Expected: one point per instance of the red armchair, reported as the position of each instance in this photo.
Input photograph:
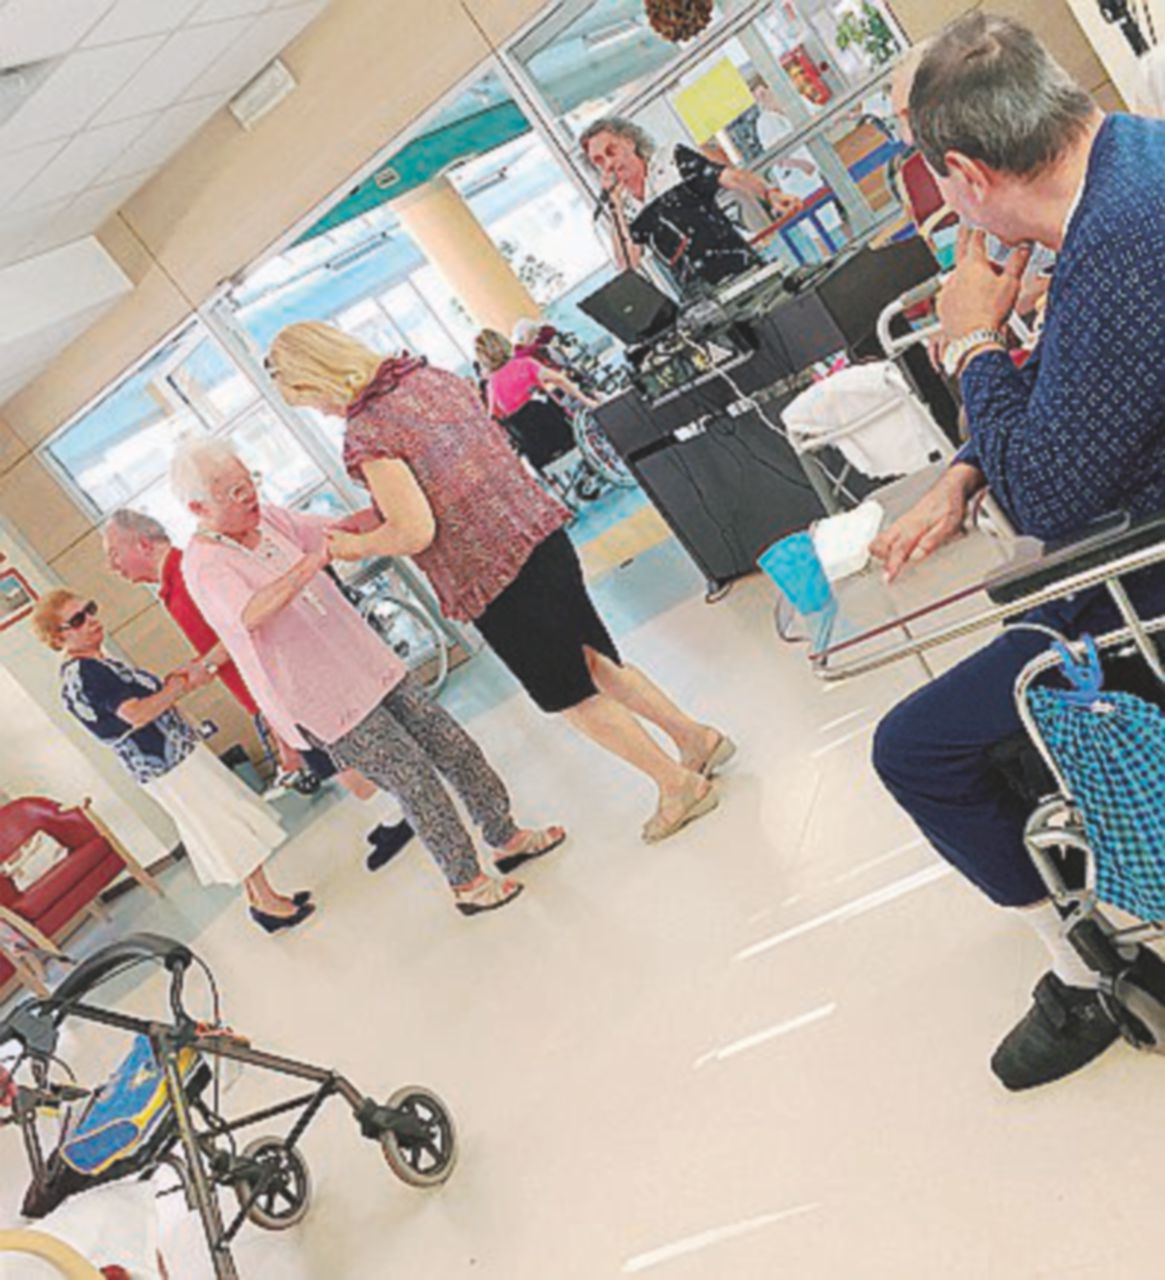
(51, 908)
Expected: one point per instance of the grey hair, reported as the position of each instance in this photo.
(987, 87)
(621, 127)
(197, 460)
(138, 525)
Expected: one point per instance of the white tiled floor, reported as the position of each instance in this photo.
(757, 1050)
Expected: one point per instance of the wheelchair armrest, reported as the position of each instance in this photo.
(1105, 541)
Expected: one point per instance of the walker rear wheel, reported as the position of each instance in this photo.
(283, 1175)
(422, 1152)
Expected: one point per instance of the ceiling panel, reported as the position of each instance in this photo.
(268, 36)
(164, 134)
(82, 83)
(216, 10)
(80, 164)
(80, 217)
(163, 80)
(34, 29)
(20, 167)
(131, 18)
(17, 230)
(124, 84)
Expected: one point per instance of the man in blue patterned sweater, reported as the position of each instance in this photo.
(1021, 151)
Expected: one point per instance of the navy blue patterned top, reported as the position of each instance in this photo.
(93, 689)
(1080, 430)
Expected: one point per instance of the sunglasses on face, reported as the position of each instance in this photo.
(75, 621)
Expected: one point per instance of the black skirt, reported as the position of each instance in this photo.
(540, 431)
(541, 623)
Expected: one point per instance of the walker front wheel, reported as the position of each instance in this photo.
(421, 1149)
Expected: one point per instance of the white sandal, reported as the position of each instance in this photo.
(485, 894)
(695, 805)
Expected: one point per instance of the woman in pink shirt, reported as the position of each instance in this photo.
(451, 493)
(324, 679)
(519, 395)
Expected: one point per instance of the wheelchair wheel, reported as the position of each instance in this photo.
(1140, 995)
(305, 782)
(600, 453)
(285, 1180)
(589, 486)
(411, 634)
(425, 1158)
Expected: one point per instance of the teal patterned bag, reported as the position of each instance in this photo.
(1110, 748)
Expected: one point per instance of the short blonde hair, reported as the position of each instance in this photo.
(310, 360)
(492, 349)
(47, 615)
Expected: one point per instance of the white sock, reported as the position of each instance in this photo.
(1066, 962)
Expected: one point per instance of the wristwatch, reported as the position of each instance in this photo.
(958, 349)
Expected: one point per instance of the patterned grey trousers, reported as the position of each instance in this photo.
(404, 746)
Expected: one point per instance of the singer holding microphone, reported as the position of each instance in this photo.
(664, 199)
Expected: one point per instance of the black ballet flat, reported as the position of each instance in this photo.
(387, 841)
(274, 924)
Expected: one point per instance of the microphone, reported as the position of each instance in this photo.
(605, 202)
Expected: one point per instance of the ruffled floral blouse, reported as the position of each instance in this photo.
(490, 512)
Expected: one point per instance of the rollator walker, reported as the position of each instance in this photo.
(162, 1107)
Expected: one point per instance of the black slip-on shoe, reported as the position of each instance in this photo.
(1065, 1028)
(387, 841)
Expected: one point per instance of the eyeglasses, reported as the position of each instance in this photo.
(75, 621)
(244, 490)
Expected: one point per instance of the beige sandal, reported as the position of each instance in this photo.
(485, 894)
(722, 751)
(695, 805)
(534, 844)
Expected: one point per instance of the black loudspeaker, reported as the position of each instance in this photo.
(728, 489)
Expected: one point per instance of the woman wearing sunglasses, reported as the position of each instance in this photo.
(226, 830)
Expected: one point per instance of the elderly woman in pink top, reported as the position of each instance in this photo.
(323, 678)
(451, 493)
(519, 395)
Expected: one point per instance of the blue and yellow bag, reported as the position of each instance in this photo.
(126, 1112)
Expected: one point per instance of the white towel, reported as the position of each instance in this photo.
(881, 428)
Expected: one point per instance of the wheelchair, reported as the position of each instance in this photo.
(162, 1107)
(1131, 976)
(567, 451)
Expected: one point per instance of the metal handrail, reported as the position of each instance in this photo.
(1098, 575)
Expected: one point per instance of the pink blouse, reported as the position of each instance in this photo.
(511, 385)
(316, 663)
(490, 513)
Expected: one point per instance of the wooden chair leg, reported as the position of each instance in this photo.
(98, 910)
(31, 972)
(28, 930)
(132, 865)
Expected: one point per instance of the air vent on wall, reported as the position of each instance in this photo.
(262, 94)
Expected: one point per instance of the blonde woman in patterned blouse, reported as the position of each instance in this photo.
(452, 494)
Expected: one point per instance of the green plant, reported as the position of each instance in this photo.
(868, 31)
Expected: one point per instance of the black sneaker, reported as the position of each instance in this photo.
(387, 841)
(1065, 1028)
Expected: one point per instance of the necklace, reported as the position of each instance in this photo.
(267, 552)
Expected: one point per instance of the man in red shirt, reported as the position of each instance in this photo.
(139, 549)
